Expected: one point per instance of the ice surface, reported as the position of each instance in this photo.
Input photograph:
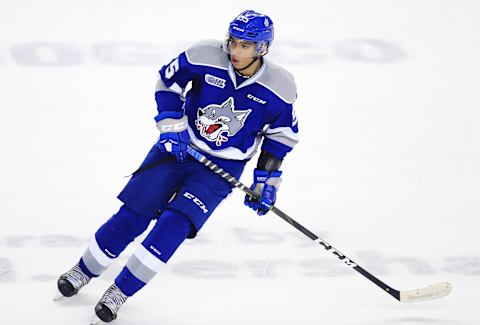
(386, 170)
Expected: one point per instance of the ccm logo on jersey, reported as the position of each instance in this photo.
(195, 200)
(215, 81)
(255, 99)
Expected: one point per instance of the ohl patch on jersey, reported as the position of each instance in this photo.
(214, 121)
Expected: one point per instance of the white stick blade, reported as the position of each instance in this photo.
(434, 291)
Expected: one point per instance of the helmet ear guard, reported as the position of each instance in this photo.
(262, 48)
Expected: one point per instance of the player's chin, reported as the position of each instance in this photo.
(236, 63)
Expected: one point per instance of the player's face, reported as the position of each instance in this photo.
(241, 52)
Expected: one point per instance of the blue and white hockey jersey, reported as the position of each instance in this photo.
(227, 120)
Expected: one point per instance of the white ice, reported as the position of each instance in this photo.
(386, 170)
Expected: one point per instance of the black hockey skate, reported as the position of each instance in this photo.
(72, 281)
(107, 308)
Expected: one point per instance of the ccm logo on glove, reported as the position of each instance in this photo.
(172, 125)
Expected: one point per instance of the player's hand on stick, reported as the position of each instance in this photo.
(265, 185)
(174, 137)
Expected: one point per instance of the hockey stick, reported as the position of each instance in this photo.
(434, 291)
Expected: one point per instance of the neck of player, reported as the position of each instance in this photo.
(252, 68)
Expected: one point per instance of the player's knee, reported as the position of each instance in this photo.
(132, 221)
(126, 224)
(168, 234)
(177, 219)
(121, 229)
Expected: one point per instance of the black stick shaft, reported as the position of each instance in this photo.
(347, 261)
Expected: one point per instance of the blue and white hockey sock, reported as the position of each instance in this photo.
(111, 239)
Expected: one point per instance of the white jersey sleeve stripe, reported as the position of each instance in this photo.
(160, 86)
(284, 135)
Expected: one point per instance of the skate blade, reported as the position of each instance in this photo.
(58, 296)
(96, 321)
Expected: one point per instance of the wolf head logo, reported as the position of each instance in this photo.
(215, 120)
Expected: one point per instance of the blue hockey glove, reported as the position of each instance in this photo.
(174, 136)
(266, 185)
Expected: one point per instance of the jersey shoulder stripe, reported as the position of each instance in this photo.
(208, 53)
(280, 81)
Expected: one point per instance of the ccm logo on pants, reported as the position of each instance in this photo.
(195, 200)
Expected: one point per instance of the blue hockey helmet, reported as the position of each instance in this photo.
(251, 26)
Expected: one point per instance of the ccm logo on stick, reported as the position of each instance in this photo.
(195, 200)
(340, 256)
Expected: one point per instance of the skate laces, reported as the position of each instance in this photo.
(113, 298)
(76, 277)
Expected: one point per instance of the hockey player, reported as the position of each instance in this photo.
(237, 101)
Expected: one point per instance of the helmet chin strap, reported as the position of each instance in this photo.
(249, 65)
